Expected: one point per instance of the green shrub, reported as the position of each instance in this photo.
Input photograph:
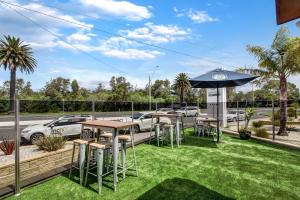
(257, 124)
(51, 143)
(244, 133)
(261, 132)
(291, 112)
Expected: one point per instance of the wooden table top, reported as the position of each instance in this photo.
(165, 115)
(106, 124)
(206, 119)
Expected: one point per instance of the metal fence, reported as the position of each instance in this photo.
(29, 113)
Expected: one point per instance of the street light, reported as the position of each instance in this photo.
(149, 86)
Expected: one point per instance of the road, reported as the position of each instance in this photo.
(8, 131)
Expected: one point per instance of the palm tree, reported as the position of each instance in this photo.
(182, 85)
(15, 55)
(278, 63)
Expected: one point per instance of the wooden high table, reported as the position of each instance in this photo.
(175, 115)
(207, 120)
(115, 126)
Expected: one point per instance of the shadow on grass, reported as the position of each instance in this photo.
(178, 188)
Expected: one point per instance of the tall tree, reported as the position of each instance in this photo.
(182, 85)
(75, 88)
(120, 88)
(14, 55)
(278, 62)
(57, 89)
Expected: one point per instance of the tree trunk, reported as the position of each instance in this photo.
(283, 106)
(181, 96)
(12, 90)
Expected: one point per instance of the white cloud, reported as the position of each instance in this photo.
(122, 48)
(17, 25)
(200, 16)
(79, 37)
(157, 34)
(122, 9)
(200, 63)
(195, 15)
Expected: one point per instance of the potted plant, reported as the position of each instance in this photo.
(245, 133)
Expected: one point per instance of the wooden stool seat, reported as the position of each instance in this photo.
(79, 141)
(106, 135)
(124, 137)
(102, 145)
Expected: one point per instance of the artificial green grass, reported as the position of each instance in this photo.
(199, 169)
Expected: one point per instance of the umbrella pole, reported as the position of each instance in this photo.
(218, 124)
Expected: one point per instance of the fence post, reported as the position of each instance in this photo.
(238, 116)
(63, 104)
(93, 110)
(273, 119)
(156, 107)
(132, 110)
(17, 148)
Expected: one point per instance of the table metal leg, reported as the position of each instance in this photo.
(177, 131)
(115, 157)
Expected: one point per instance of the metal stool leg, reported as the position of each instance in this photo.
(133, 149)
(157, 130)
(87, 165)
(99, 169)
(82, 161)
(123, 147)
(72, 160)
(171, 135)
(177, 132)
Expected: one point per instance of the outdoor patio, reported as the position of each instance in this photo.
(199, 169)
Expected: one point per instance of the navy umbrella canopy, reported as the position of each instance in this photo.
(220, 78)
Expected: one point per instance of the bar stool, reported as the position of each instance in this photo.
(83, 147)
(169, 130)
(157, 132)
(100, 149)
(178, 132)
(132, 163)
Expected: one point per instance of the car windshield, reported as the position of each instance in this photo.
(136, 115)
(46, 124)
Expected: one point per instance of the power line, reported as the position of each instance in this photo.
(117, 35)
(59, 37)
(119, 24)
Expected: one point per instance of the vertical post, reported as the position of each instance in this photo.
(156, 107)
(93, 110)
(218, 124)
(132, 110)
(273, 119)
(17, 149)
(238, 116)
(63, 104)
(149, 85)
(115, 157)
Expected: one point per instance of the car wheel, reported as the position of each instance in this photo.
(136, 128)
(35, 137)
(234, 119)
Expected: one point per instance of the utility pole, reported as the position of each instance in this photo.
(149, 88)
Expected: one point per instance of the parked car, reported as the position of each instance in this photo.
(142, 121)
(232, 116)
(66, 126)
(189, 111)
(165, 110)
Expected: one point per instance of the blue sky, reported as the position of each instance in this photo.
(213, 32)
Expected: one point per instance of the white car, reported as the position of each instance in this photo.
(189, 111)
(65, 126)
(142, 121)
(165, 110)
(232, 116)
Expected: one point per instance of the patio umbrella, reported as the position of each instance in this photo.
(220, 78)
